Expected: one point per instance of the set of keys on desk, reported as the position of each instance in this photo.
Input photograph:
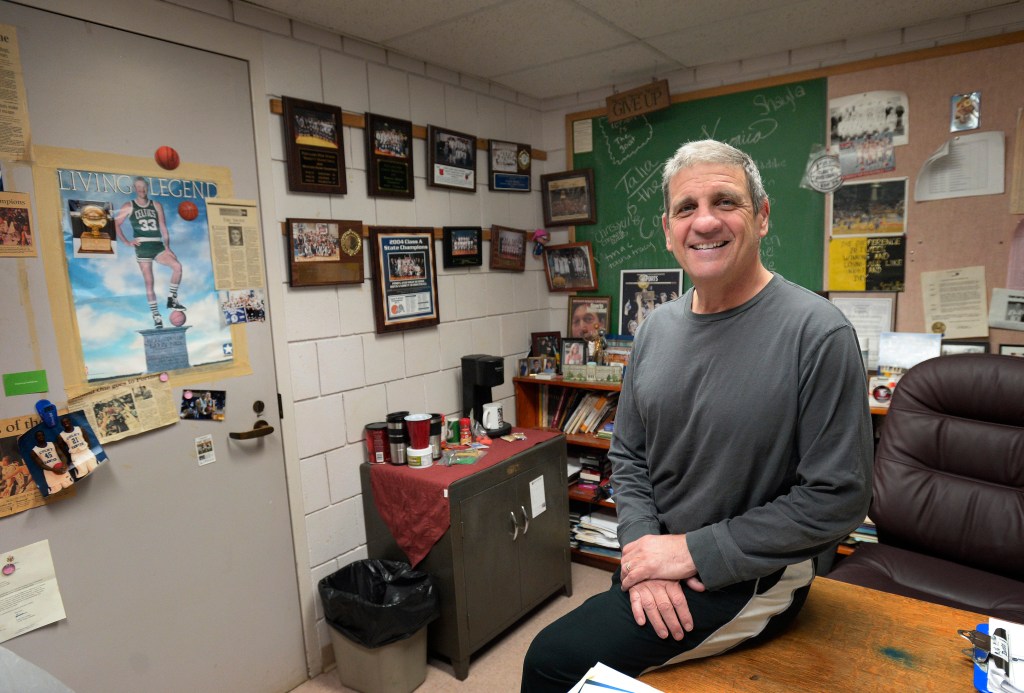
(994, 648)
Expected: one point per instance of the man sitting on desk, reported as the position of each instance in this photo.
(742, 445)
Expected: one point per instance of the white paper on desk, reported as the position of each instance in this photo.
(603, 679)
(1007, 309)
(964, 166)
(29, 595)
(954, 302)
(1015, 648)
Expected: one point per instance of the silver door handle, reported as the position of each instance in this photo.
(526, 521)
(515, 525)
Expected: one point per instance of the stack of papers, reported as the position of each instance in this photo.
(604, 679)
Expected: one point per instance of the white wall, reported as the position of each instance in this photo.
(343, 375)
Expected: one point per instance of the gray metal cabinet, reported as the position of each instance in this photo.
(497, 561)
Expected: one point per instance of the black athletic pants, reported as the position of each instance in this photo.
(602, 629)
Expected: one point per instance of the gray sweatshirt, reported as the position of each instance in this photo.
(747, 430)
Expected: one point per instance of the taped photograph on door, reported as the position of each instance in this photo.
(151, 304)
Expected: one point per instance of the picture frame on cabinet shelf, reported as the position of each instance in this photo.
(574, 352)
(545, 344)
(951, 347)
(587, 316)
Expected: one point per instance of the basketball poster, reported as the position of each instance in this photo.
(141, 275)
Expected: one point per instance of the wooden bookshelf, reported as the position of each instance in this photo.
(528, 392)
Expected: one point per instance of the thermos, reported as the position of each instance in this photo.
(398, 439)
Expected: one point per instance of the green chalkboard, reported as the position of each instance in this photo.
(778, 126)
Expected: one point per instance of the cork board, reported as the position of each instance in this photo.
(959, 232)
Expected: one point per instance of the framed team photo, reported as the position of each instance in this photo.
(570, 267)
(314, 149)
(568, 198)
(452, 159)
(389, 157)
(404, 278)
(324, 251)
(508, 249)
(462, 246)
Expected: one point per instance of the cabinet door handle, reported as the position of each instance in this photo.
(515, 526)
(526, 521)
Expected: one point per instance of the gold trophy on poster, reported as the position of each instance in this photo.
(95, 240)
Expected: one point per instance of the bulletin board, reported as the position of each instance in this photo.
(963, 231)
(941, 234)
(778, 126)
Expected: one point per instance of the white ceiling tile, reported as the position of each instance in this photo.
(510, 36)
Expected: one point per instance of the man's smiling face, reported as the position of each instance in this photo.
(712, 229)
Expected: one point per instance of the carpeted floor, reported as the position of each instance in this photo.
(497, 667)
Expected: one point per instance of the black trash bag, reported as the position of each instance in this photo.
(375, 602)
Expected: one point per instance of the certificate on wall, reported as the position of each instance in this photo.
(871, 314)
(29, 595)
(954, 302)
(404, 278)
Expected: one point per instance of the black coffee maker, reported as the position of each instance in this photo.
(480, 373)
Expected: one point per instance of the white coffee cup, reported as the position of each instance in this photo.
(492, 416)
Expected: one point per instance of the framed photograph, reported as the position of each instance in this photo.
(963, 346)
(508, 166)
(570, 267)
(508, 249)
(568, 198)
(588, 315)
(1011, 349)
(574, 352)
(523, 367)
(404, 278)
(389, 157)
(545, 344)
(462, 246)
(871, 313)
(313, 146)
(641, 291)
(535, 365)
(324, 251)
(870, 208)
(452, 159)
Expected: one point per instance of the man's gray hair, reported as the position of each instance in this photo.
(714, 152)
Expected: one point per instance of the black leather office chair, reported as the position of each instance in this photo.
(949, 488)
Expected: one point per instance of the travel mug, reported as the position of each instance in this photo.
(436, 426)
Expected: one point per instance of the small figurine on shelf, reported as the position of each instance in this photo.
(598, 347)
(540, 239)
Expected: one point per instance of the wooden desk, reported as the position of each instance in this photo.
(846, 638)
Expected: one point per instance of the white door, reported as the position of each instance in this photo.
(174, 576)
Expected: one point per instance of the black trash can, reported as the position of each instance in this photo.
(378, 610)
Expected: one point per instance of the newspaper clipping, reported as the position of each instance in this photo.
(235, 243)
(14, 127)
(128, 407)
(17, 489)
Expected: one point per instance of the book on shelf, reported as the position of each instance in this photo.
(594, 468)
